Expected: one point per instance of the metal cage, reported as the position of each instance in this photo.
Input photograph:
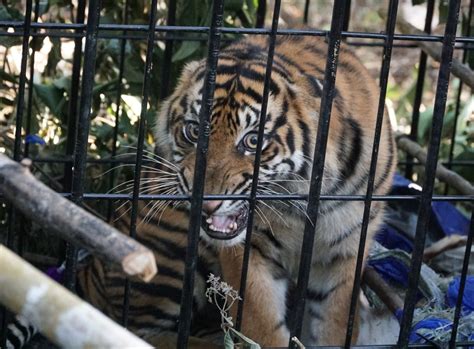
(88, 29)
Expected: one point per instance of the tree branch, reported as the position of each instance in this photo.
(50, 210)
(433, 49)
(452, 178)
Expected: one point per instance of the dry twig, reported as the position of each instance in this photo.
(442, 173)
(50, 210)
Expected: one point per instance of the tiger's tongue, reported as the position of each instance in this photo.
(222, 222)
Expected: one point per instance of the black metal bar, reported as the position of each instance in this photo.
(306, 12)
(21, 229)
(387, 56)
(118, 103)
(141, 140)
(74, 98)
(430, 169)
(419, 87)
(227, 30)
(347, 16)
(22, 82)
(200, 172)
(458, 97)
(30, 82)
(168, 54)
(256, 164)
(462, 283)
(261, 13)
(67, 159)
(318, 167)
(268, 197)
(83, 125)
(17, 144)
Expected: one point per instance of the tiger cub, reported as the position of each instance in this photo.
(288, 146)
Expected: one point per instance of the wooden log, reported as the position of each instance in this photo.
(433, 49)
(442, 173)
(50, 210)
(58, 314)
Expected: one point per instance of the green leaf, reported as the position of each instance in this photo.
(187, 49)
(228, 342)
(443, 11)
(233, 5)
(10, 14)
(51, 96)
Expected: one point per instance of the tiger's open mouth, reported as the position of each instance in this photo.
(225, 227)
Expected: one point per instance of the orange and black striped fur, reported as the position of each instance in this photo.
(154, 307)
(290, 132)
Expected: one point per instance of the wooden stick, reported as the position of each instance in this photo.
(50, 210)
(382, 289)
(445, 244)
(57, 313)
(452, 178)
(433, 49)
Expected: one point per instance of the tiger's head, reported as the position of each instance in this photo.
(287, 143)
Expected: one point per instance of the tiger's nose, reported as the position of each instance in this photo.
(211, 206)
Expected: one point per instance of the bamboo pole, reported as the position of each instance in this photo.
(57, 313)
(442, 173)
(50, 210)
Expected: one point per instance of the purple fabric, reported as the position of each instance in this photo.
(55, 273)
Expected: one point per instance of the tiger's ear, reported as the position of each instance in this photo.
(189, 70)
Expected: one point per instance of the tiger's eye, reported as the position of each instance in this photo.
(250, 141)
(191, 131)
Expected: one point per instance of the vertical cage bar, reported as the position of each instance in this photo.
(306, 12)
(200, 172)
(168, 54)
(17, 142)
(256, 165)
(83, 125)
(21, 230)
(261, 13)
(419, 88)
(30, 82)
(118, 111)
(387, 56)
(141, 140)
(318, 167)
(458, 97)
(20, 107)
(430, 169)
(462, 283)
(347, 16)
(74, 97)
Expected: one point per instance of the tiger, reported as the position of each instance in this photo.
(296, 88)
(290, 127)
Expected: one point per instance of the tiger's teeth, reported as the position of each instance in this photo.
(209, 220)
(212, 227)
